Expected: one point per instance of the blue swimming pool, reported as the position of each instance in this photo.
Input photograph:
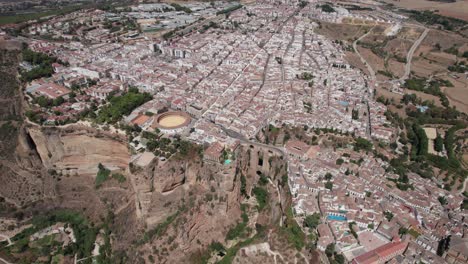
(227, 162)
(337, 218)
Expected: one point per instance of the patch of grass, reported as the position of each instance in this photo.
(119, 177)
(232, 251)
(33, 16)
(102, 175)
(239, 229)
(413, 233)
(262, 197)
(293, 231)
(7, 130)
(85, 234)
(362, 144)
(159, 229)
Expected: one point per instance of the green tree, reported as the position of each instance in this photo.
(312, 221)
(329, 185)
(388, 215)
(442, 200)
(122, 105)
(330, 250)
(439, 143)
(355, 114)
(339, 258)
(43, 101)
(262, 197)
(362, 144)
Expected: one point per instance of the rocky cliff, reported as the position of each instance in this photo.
(77, 150)
(22, 175)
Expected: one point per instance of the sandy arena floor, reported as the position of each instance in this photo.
(172, 121)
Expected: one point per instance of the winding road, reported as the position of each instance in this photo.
(409, 56)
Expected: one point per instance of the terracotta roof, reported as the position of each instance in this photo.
(52, 90)
(381, 253)
(140, 119)
(297, 147)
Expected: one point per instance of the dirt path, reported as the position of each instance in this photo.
(4, 261)
(264, 247)
(7, 238)
(279, 201)
(464, 186)
(369, 68)
(409, 56)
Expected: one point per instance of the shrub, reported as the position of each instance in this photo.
(262, 197)
(312, 221)
(102, 175)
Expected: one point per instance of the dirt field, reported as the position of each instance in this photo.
(380, 91)
(424, 68)
(396, 68)
(354, 60)
(443, 38)
(9, 44)
(458, 95)
(341, 31)
(425, 96)
(172, 121)
(459, 9)
(398, 47)
(388, 94)
(410, 33)
(375, 61)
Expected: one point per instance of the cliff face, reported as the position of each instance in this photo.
(193, 203)
(22, 175)
(77, 150)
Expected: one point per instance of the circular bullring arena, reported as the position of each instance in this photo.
(172, 121)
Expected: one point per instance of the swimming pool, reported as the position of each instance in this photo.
(337, 218)
(227, 162)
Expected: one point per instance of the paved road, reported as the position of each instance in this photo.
(244, 140)
(409, 56)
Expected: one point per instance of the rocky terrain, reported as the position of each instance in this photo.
(187, 205)
(78, 150)
(21, 173)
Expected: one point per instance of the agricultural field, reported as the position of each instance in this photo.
(458, 9)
